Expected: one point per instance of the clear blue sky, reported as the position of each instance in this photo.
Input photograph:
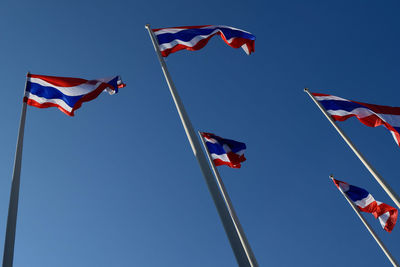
(118, 185)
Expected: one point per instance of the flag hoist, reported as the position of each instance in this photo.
(367, 114)
(67, 94)
(360, 199)
(194, 38)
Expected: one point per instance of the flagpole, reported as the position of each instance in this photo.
(372, 232)
(8, 255)
(222, 210)
(232, 212)
(374, 173)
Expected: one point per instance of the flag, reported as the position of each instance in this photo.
(67, 94)
(365, 202)
(371, 115)
(224, 151)
(171, 40)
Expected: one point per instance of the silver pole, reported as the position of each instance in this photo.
(374, 173)
(232, 212)
(8, 255)
(223, 212)
(372, 232)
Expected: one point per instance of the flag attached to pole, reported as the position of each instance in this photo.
(193, 38)
(365, 202)
(224, 151)
(371, 115)
(67, 94)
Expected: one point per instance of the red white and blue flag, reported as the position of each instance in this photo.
(171, 40)
(365, 202)
(371, 115)
(224, 151)
(67, 94)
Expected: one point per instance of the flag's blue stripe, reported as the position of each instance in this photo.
(356, 193)
(215, 148)
(218, 149)
(189, 34)
(340, 105)
(51, 93)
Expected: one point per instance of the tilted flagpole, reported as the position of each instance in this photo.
(8, 255)
(372, 232)
(374, 173)
(232, 212)
(223, 212)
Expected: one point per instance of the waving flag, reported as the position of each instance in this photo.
(371, 115)
(365, 202)
(193, 38)
(224, 151)
(67, 94)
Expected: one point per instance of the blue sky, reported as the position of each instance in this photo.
(118, 185)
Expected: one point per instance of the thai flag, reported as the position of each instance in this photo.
(67, 94)
(365, 202)
(224, 151)
(371, 115)
(194, 38)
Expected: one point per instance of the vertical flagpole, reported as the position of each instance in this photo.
(374, 173)
(8, 255)
(232, 212)
(223, 212)
(372, 232)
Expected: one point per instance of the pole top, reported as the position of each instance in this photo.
(305, 89)
(147, 26)
(331, 176)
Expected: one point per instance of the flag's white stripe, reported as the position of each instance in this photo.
(222, 157)
(190, 43)
(360, 112)
(241, 152)
(42, 100)
(171, 30)
(175, 30)
(345, 187)
(393, 120)
(330, 97)
(211, 140)
(81, 89)
(365, 201)
(383, 218)
(246, 49)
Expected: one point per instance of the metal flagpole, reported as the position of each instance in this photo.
(372, 232)
(8, 255)
(228, 203)
(223, 212)
(374, 173)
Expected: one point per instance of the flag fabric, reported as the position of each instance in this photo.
(67, 94)
(371, 115)
(171, 40)
(365, 202)
(224, 151)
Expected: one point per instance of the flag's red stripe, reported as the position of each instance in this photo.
(381, 109)
(46, 105)
(318, 94)
(182, 27)
(236, 43)
(219, 162)
(371, 121)
(60, 81)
